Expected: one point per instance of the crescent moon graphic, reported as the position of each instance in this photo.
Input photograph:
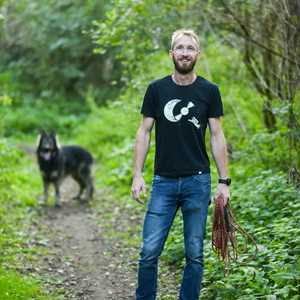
(168, 111)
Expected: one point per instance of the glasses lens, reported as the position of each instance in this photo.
(185, 50)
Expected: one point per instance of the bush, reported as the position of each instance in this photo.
(43, 45)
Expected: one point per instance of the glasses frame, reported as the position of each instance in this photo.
(189, 50)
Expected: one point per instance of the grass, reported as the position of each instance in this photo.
(19, 182)
(14, 286)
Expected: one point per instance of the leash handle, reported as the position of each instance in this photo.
(224, 229)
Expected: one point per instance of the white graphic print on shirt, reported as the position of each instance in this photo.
(169, 112)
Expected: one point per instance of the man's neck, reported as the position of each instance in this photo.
(184, 79)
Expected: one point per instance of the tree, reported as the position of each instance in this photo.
(267, 33)
(43, 45)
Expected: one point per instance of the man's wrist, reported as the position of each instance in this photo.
(226, 181)
(138, 175)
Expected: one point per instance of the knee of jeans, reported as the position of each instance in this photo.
(194, 251)
(150, 252)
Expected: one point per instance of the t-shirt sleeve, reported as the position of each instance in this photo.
(216, 106)
(148, 107)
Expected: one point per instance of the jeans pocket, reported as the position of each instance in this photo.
(156, 178)
(203, 178)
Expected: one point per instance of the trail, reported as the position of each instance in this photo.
(79, 256)
(76, 247)
(82, 261)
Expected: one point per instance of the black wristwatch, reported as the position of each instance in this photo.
(226, 181)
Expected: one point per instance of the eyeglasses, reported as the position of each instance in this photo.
(188, 50)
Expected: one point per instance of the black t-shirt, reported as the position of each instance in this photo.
(181, 115)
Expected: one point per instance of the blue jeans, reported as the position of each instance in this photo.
(192, 194)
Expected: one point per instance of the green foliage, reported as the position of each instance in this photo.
(15, 287)
(267, 149)
(20, 116)
(13, 207)
(43, 45)
(33, 115)
(135, 29)
(270, 212)
(17, 198)
(265, 34)
(47, 55)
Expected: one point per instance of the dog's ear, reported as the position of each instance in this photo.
(57, 141)
(53, 133)
(55, 138)
(39, 140)
(41, 135)
(43, 132)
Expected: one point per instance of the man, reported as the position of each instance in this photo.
(181, 106)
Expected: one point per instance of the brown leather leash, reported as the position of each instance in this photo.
(224, 229)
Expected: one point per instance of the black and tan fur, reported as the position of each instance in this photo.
(56, 163)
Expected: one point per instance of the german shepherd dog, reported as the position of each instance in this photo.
(57, 162)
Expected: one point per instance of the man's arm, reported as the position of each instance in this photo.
(141, 148)
(219, 152)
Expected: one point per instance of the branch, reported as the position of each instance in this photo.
(248, 37)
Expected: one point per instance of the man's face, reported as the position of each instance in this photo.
(184, 54)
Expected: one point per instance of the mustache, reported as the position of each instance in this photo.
(182, 69)
(185, 57)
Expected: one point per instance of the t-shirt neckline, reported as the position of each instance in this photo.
(183, 86)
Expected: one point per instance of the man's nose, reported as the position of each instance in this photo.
(186, 53)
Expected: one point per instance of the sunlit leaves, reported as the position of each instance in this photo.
(134, 29)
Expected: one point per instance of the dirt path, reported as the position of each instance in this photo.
(80, 261)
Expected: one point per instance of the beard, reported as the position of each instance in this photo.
(185, 68)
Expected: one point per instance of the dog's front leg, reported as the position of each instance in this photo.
(57, 194)
(90, 189)
(46, 189)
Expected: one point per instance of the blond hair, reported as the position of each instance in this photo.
(181, 32)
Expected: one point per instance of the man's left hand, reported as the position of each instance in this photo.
(223, 191)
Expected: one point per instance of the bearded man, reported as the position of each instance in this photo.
(181, 106)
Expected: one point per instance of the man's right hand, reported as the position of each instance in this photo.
(138, 186)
